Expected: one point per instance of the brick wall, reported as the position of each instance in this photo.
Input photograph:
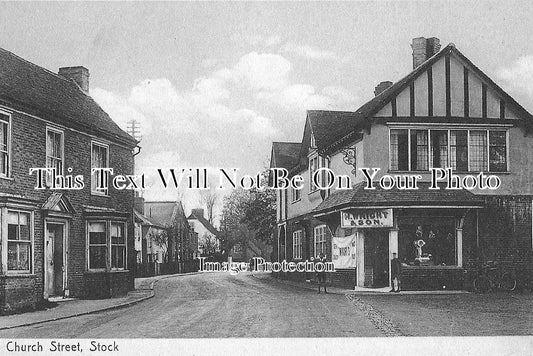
(28, 150)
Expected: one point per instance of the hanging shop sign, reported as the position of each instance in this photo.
(366, 218)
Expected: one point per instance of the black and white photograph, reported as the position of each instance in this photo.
(264, 177)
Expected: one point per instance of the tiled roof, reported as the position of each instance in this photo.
(37, 91)
(286, 154)
(360, 197)
(204, 222)
(163, 212)
(145, 220)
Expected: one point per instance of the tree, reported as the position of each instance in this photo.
(160, 239)
(209, 199)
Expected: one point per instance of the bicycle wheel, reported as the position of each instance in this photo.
(482, 284)
(508, 282)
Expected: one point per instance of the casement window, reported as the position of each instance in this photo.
(297, 244)
(316, 162)
(296, 195)
(19, 242)
(320, 240)
(106, 245)
(54, 151)
(461, 150)
(99, 159)
(118, 246)
(4, 145)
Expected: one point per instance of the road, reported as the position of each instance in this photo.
(217, 305)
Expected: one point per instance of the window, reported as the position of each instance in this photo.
(107, 245)
(99, 159)
(54, 151)
(399, 147)
(497, 151)
(297, 244)
(459, 150)
(419, 150)
(427, 242)
(320, 240)
(478, 151)
(97, 245)
(462, 150)
(4, 145)
(315, 163)
(18, 242)
(296, 194)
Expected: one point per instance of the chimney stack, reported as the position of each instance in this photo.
(139, 204)
(381, 87)
(423, 49)
(78, 74)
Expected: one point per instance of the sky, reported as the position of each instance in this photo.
(213, 84)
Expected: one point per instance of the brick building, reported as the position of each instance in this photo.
(446, 113)
(56, 242)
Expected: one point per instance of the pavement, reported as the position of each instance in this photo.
(70, 308)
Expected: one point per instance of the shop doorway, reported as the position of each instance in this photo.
(376, 258)
(54, 264)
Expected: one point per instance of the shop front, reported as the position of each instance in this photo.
(424, 228)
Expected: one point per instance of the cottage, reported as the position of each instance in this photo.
(60, 243)
(446, 117)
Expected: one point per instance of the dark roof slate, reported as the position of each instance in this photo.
(27, 87)
(358, 196)
(204, 222)
(286, 154)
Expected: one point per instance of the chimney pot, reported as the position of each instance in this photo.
(381, 87)
(423, 49)
(78, 74)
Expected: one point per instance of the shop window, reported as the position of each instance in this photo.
(320, 240)
(297, 244)
(19, 242)
(427, 243)
(106, 245)
(4, 145)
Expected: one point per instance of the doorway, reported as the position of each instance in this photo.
(376, 259)
(54, 263)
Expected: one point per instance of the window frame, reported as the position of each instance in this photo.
(296, 195)
(7, 121)
(62, 134)
(93, 190)
(322, 242)
(31, 242)
(109, 245)
(297, 245)
(468, 131)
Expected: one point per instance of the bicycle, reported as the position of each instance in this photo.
(493, 276)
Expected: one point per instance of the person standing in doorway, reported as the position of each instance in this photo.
(396, 271)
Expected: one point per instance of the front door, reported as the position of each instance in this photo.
(376, 257)
(54, 260)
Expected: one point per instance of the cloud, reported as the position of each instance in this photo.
(519, 75)
(262, 71)
(309, 52)
(257, 40)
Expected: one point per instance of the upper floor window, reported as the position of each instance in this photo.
(19, 241)
(320, 240)
(296, 194)
(316, 162)
(54, 150)
(4, 145)
(461, 150)
(297, 244)
(99, 159)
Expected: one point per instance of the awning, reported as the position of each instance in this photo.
(423, 197)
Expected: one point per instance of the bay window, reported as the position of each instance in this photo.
(462, 150)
